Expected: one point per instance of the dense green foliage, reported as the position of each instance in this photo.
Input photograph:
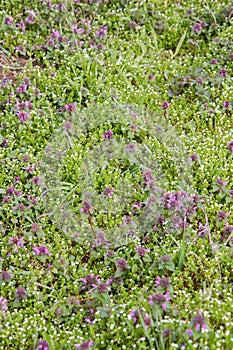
(170, 285)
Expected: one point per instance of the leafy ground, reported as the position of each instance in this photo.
(170, 285)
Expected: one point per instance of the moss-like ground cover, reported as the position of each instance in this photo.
(170, 285)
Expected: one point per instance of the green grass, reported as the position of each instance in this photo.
(150, 53)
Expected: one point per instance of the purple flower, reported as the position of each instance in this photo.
(131, 148)
(36, 180)
(3, 304)
(197, 28)
(102, 32)
(223, 72)
(193, 157)
(167, 332)
(162, 282)
(227, 104)
(68, 125)
(21, 25)
(199, 321)
(165, 105)
(30, 18)
(35, 227)
(189, 332)
(23, 116)
(202, 230)
(90, 281)
(122, 264)
(43, 345)
(86, 208)
(101, 239)
(159, 299)
(214, 61)
(8, 20)
(147, 321)
(42, 250)
(222, 215)
(149, 179)
(71, 107)
(20, 294)
(84, 346)
(221, 183)
(151, 77)
(142, 251)
(230, 146)
(5, 276)
(134, 315)
(107, 192)
(6, 199)
(108, 135)
(24, 104)
(19, 242)
(128, 220)
(132, 25)
(228, 229)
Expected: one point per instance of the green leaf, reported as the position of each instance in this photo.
(180, 43)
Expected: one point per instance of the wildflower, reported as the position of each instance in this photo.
(36, 180)
(147, 320)
(165, 105)
(86, 208)
(167, 332)
(221, 184)
(19, 242)
(102, 32)
(128, 220)
(222, 72)
(90, 281)
(108, 134)
(3, 305)
(132, 25)
(131, 147)
(197, 28)
(222, 215)
(214, 61)
(122, 264)
(199, 321)
(43, 345)
(8, 20)
(21, 25)
(189, 332)
(159, 299)
(6, 199)
(227, 104)
(101, 239)
(35, 227)
(202, 230)
(134, 315)
(162, 282)
(193, 157)
(42, 250)
(142, 251)
(149, 178)
(84, 346)
(72, 107)
(230, 146)
(5, 276)
(23, 116)
(20, 294)
(151, 77)
(107, 192)
(228, 229)
(68, 125)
